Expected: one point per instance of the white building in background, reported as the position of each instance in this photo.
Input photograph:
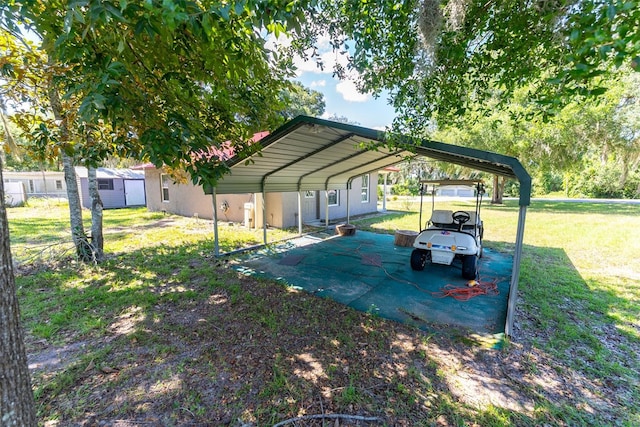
(118, 188)
(39, 183)
(456, 191)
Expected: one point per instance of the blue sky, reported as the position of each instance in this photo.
(341, 97)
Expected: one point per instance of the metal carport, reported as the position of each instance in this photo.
(309, 153)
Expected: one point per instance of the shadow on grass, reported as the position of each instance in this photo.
(578, 208)
(582, 354)
(170, 336)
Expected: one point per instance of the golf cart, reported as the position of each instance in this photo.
(449, 235)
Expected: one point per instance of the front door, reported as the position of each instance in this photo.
(309, 206)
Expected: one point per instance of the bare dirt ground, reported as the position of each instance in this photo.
(254, 353)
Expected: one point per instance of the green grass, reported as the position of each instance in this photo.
(41, 231)
(579, 283)
(575, 353)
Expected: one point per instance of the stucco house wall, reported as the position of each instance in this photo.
(183, 199)
(356, 205)
(190, 200)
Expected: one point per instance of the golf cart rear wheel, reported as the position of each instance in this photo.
(418, 259)
(469, 267)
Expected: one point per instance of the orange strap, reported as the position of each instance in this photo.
(465, 293)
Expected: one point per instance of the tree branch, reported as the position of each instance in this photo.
(330, 416)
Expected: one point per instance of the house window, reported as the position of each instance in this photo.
(164, 179)
(364, 197)
(58, 184)
(309, 194)
(333, 197)
(105, 184)
(32, 188)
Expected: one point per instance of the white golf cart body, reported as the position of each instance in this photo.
(451, 235)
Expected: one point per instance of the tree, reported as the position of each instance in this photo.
(299, 100)
(163, 80)
(171, 79)
(17, 406)
(443, 58)
(567, 144)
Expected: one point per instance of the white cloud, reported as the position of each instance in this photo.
(349, 92)
(329, 59)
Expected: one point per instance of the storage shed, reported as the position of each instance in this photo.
(118, 188)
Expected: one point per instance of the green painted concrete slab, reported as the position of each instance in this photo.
(369, 273)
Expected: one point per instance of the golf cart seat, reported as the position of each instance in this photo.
(442, 219)
(474, 225)
(473, 221)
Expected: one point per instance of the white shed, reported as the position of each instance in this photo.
(118, 188)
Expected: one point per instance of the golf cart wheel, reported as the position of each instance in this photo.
(469, 267)
(418, 259)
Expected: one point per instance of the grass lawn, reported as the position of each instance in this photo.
(163, 333)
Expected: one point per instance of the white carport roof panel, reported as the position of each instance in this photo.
(314, 154)
(307, 158)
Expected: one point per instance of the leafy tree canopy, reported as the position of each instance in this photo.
(444, 57)
(162, 80)
(297, 99)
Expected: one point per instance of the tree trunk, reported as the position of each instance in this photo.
(79, 237)
(97, 239)
(498, 190)
(17, 406)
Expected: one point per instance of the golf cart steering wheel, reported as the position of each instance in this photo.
(460, 217)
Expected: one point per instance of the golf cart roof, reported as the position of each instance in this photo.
(443, 182)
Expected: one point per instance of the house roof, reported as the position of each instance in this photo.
(225, 152)
(106, 173)
(309, 153)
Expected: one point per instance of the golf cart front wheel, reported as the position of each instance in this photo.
(469, 267)
(418, 259)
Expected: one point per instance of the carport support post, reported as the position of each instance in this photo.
(326, 208)
(384, 193)
(264, 215)
(348, 206)
(515, 274)
(216, 245)
(300, 212)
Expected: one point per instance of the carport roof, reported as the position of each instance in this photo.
(308, 153)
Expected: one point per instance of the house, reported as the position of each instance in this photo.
(280, 208)
(163, 194)
(39, 183)
(456, 191)
(118, 188)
